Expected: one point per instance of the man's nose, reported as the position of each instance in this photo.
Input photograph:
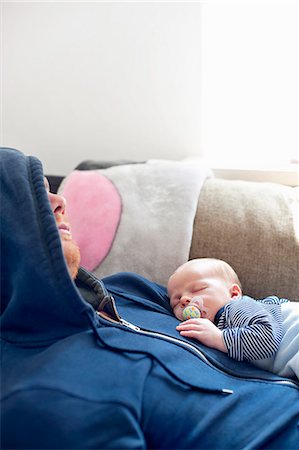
(58, 203)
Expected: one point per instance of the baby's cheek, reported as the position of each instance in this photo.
(178, 312)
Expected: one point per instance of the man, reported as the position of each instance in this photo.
(93, 364)
(69, 247)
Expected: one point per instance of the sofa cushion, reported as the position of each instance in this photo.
(134, 217)
(255, 228)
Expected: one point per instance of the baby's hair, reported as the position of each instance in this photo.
(224, 269)
(220, 267)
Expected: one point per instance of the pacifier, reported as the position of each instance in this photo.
(191, 312)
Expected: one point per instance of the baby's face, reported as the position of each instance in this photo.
(197, 285)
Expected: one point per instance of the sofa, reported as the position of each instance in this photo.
(254, 226)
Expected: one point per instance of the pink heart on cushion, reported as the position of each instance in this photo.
(94, 209)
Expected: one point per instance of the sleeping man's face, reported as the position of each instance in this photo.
(69, 247)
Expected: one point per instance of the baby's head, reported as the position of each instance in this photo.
(207, 283)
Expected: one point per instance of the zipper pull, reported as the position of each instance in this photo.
(129, 325)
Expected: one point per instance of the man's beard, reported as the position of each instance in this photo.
(72, 255)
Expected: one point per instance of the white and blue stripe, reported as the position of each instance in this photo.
(252, 329)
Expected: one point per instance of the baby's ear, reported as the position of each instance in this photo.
(235, 291)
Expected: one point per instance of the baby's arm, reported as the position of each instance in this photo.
(204, 331)
(252, 332)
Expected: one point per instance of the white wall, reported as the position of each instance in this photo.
(250, 83)
(102, 80)
(138, 80)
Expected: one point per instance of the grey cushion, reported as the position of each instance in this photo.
(255, 228)
(91, 164)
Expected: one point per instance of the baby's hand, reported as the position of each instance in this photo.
(204, 331)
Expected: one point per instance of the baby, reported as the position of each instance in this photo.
(264, 332)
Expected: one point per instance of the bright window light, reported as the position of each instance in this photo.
(250, 83)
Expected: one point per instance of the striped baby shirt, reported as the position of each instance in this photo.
(252, 329)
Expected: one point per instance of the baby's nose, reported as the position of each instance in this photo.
(185, 300)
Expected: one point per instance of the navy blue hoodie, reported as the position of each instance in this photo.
(76, 378)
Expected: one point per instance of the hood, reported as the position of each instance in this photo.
(39, 301)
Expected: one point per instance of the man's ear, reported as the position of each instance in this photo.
(235, 291)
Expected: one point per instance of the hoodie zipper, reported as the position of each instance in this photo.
(194, 349)
(167, 338)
